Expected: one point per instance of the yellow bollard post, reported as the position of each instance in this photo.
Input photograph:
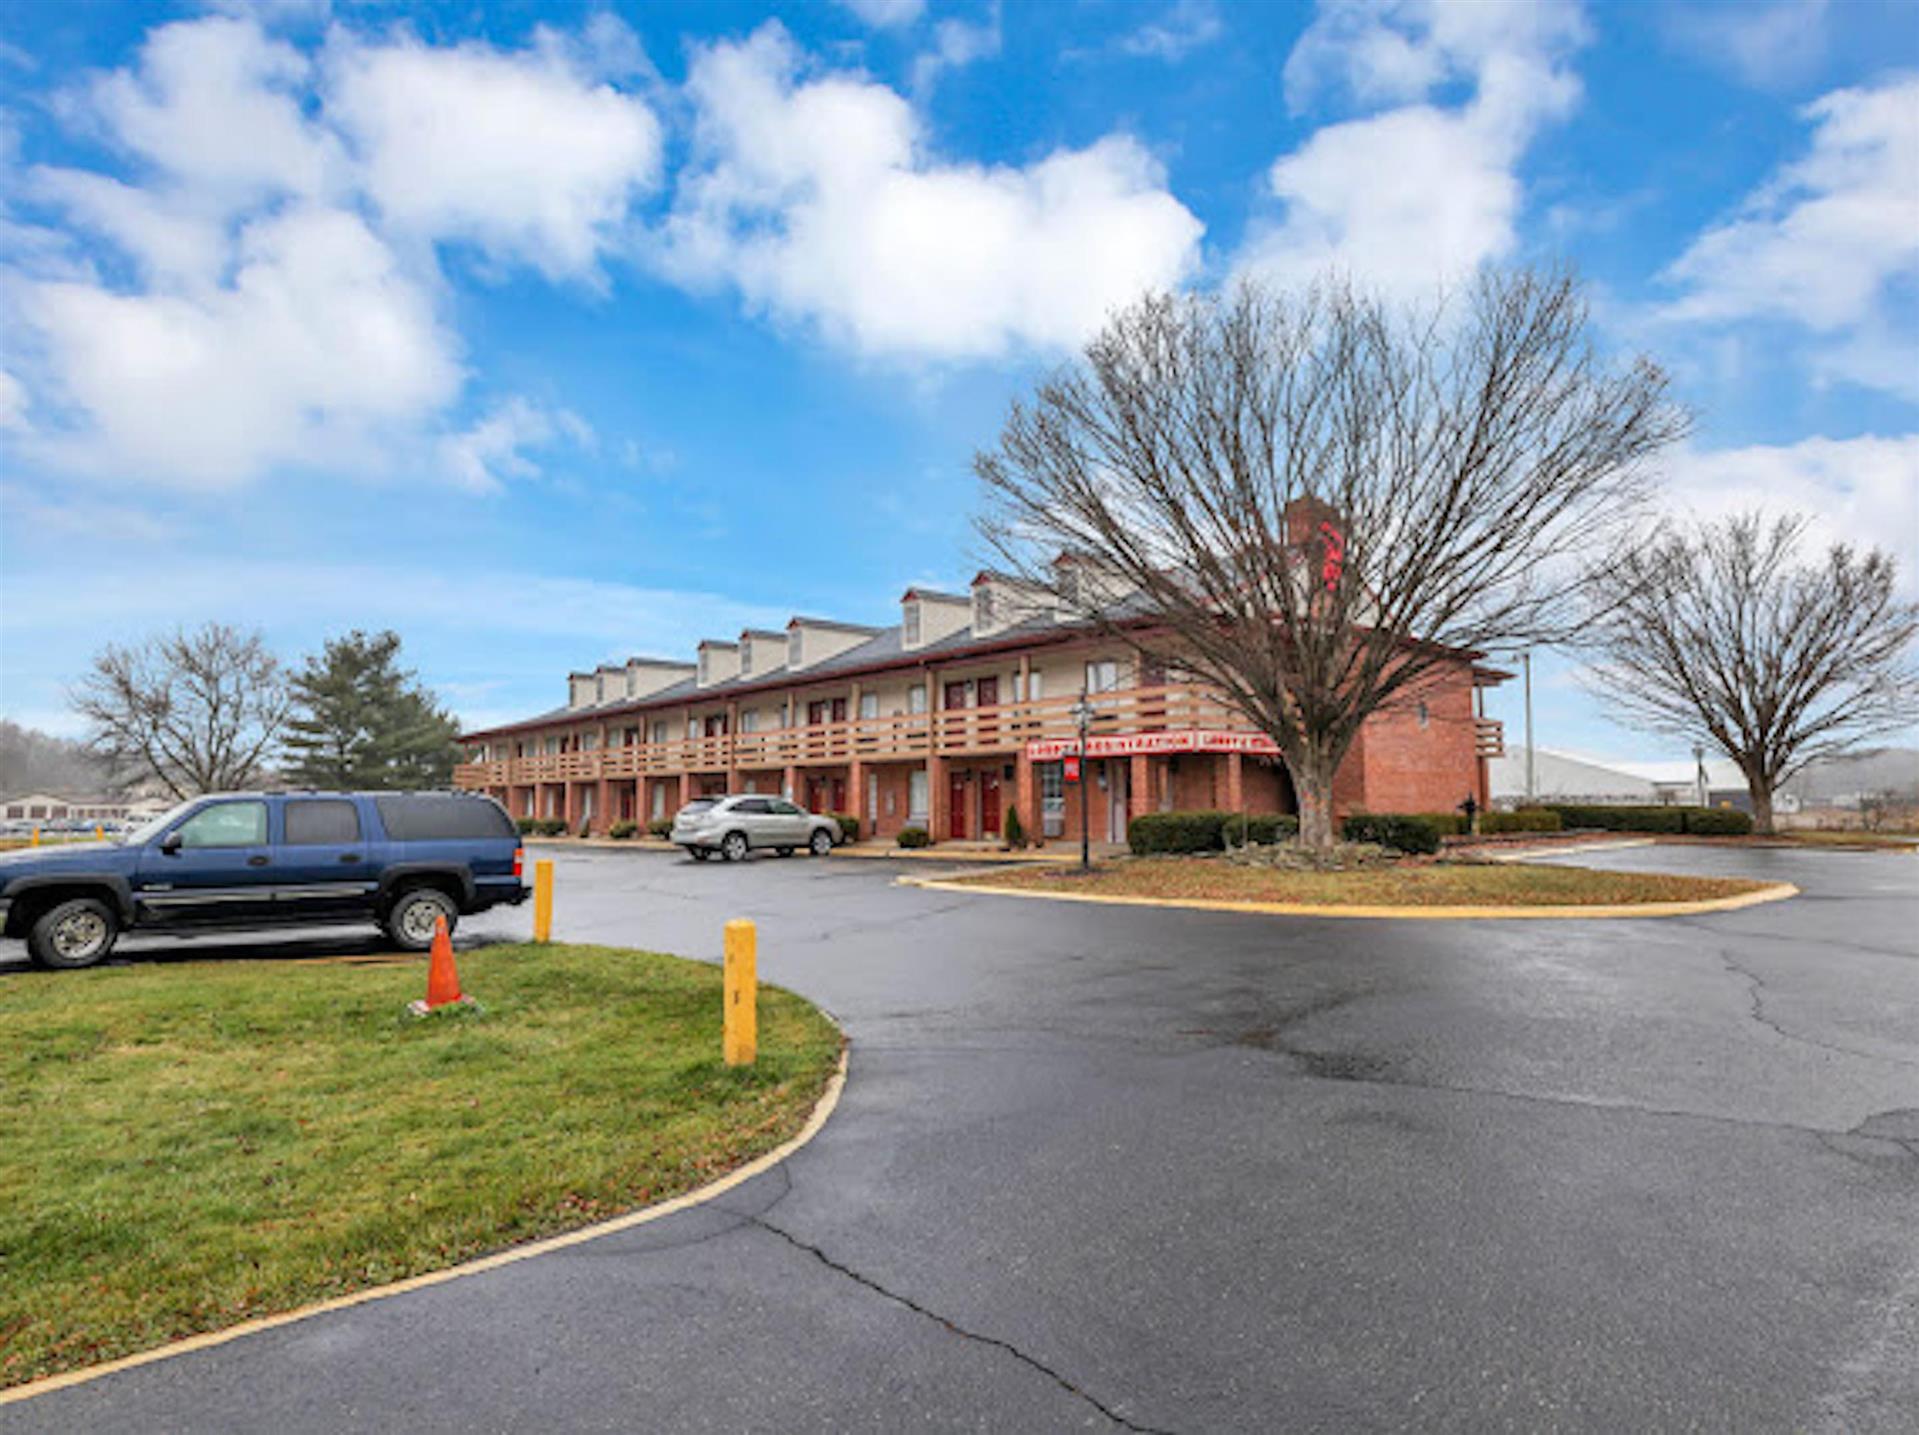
(543, 901)
(741, 1042)
(36, 837)
(99, 833)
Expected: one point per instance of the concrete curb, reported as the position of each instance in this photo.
(1774, 893)
(873, 851)
(1518, 853)
(822, 1109)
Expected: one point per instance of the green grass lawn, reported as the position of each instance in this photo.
(189, 1145)
(1408, 885)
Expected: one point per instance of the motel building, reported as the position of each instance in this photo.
(944, 721)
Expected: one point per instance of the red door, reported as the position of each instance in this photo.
(956, 807)
(986, 692)
(955, 695)
(839, 795)
(989, 808)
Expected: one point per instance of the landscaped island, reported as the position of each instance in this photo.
(190, 1145)
(1407, 884)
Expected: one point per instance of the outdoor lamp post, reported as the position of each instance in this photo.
(1083, 719)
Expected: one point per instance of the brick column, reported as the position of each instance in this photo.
(856, 793)
(1235, 781)
(686, 788)
(936, 799)
(1026, 797)
(603, 814)
(795, 788)
(1139, 785)
(572, 811)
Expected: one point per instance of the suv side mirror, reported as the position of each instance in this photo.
(170, 844)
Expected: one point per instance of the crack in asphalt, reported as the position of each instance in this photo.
(1030, 1361)
(1755, 995)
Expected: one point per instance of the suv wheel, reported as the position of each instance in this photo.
(821, 842)
(410, 921)
(698, 854)
(733, 846)
(73, 934)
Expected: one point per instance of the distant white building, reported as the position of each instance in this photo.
(1561, 777)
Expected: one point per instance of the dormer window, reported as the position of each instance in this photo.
(746, 656)
(599, 687)
(706, 667)
(983, 607)
(912, 625)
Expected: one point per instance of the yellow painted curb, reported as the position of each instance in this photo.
(1774, 893)
(822, 1109)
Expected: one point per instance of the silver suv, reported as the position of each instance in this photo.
(735, 825)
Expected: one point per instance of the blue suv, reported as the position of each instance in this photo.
(243, 860)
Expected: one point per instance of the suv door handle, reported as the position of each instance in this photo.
(349, 856)
(256, 861)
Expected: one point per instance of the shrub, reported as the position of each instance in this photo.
(1699, 821)
(586, 827)
(1263, 828)
(620, 831)
(1446, 824)
(527, 825)
(660, 827)
(1155, 832)
(1014, 830)
(914, 837)
(1717, 822)
(1401, 831)
(1526, 819)
(849, 825)
(552, 826)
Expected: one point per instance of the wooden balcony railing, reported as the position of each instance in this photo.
(1489, 737)
(955, 732)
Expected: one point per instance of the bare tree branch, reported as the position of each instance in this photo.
(1719, 634)
(196, 711)
(1315, 503)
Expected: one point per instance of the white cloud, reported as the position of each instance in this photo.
(886, 14)
(317, 350)
(519, 153)
(480, 458)
(1418, 194)
(1764, 42)
(1859, 490)
(1187, 26)
(13, 403)
(1828, 241)
(956, 44)
(285, 305)
(818, 200)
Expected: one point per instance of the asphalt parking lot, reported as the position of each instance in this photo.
(1164, 1170)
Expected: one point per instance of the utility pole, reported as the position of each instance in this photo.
(1083, 719)
(1699, 781)
(1532, 786)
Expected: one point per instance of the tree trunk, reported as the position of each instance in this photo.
(1312, 774)
(1761, 791)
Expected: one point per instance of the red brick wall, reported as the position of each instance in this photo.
(1404, 765)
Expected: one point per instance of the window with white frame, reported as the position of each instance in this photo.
(1035, 686)
(869, 705)
(916, 699)
(912, 625)
(660, 729)
(692, 727)
(916, 795)
(1102, 676)
(750, 721)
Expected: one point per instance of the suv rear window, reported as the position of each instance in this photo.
(439, 816)
(313, 821)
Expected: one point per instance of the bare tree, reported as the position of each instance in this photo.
(197, 711)
(1718, 633)
(1318, 503)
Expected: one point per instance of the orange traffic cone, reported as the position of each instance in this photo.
(442, 977)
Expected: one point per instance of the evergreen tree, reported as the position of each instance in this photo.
(362, 722)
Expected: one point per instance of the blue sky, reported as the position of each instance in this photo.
(549, 334)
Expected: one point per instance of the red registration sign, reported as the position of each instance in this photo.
(1072, 767)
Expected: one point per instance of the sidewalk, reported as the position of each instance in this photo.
(868, 847)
